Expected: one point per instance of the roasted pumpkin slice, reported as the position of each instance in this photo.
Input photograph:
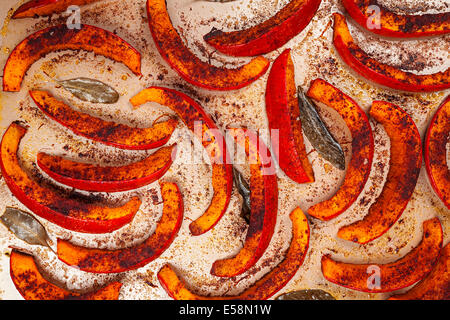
(75, 212)
(109, 261)
(405, 164)
(436, 285)
(381, 73)
(264, 288)
(39, 8)
(390, 24)
(392, 276)
(33, 286)
(358, 170)
(59, 37)
(106, 132)
(188, 65)
(283, 113)
(192, 114)
(436, 152)
(85, 176)
(263, 202)
(269, 35)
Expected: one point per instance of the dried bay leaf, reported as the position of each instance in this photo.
(25, 227)
(90, 90)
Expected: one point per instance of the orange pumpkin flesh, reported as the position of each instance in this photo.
(436, 285)
(189, 67)
(213, 141)
(264, 288)
(264, 207)
(405, 164)
(393, 276)
(77, 213)
(268, 35)
(436, 152)
(283, 113)
(59, 37)
(109, 261)
(358, 170)
(395, 25)
(381, 73)
(41, 8)
(106, 132)
(89, 177)
(33, 286)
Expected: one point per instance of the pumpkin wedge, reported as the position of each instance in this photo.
(381, 73)
(59, 37)
(263, 202)
(393, 276)
(264, 288)
(436, 152)
(283, 113)
(188, 65)
(395, 25)
(436, 285)
(85, 176)
(358, 170)
(192, 114)
(268, 35)
(40, 8)
(405, 164)
(109, 261)
(74, 212)
(106, 132)
(33, 286)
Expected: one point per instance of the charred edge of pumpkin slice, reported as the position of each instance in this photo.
(89, 177)
(59, 37)
(40, 8)
(267, 36)
(358, 170)
(283, 114)
(74, 212)
(264, 207)
(106, 132)
(404, 168)
(33, 286)
(222, 173)
(435, 286)
(264, 288)
(381, 73)
(393, 276)
(395, 25)
(113, 261)
(436, 152)
(188, 65)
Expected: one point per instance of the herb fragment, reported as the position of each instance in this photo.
(314, 294)
(244, 190)
(90, 90)
(25, 227)
(318, 134)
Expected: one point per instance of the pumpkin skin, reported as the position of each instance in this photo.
(189, 66)
(395, 25)
(113, 261)
(267, 36)
(264, 288)
(380, 73)
(33, 286)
